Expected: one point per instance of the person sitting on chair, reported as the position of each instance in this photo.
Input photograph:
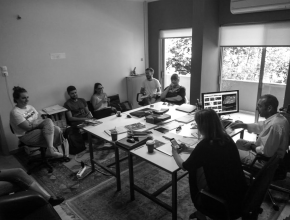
(273, 132)
(100, 101)
(151, 88)
(174, 93)
(29, 128)
(214, 164)
(77, 108)
(18, 179)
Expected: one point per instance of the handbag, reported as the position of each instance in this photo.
(64, 148)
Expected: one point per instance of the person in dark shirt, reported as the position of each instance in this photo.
(174, 93)
(77, 108)
(214, 164)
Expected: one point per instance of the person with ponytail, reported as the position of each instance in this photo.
(101, 103)
(29, 128)
(214, 164)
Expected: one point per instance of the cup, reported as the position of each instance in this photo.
(114, 135)
(150, 145)
(118, 114)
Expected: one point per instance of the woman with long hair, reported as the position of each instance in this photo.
(214, 164)
(100, 102)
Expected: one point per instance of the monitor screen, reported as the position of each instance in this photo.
(223, 102)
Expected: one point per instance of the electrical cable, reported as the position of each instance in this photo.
(7, 88)
(106, 174)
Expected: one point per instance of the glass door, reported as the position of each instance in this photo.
(177, 59)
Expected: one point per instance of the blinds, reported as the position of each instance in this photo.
(267, 34)
(186, 32)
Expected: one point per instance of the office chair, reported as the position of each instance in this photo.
(43, 161)
(28, 205)
(251, 205)
(280, 174)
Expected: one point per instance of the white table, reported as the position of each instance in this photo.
(114, 121)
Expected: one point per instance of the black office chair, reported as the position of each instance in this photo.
(26, 205)
(41, 161)
(280, 174)
(251, 205)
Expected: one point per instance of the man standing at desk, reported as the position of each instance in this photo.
(77, 107)
(150, 87)
(273, 132)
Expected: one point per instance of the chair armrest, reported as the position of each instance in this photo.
(21, 204)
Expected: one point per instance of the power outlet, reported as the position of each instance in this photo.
(4, 71)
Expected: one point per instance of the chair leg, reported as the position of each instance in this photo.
(43, 162)
(275, 206)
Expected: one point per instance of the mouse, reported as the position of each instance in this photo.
(131, 140)
(164, 103)
(129, 116)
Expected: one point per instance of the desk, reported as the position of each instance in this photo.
(114, 121)
(166, 163)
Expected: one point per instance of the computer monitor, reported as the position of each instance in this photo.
(223, 102)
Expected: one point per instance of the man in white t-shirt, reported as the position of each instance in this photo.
(151, 88)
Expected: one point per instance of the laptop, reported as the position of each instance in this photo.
(186, 108)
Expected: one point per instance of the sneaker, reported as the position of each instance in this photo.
(108, 144)
(54, 201)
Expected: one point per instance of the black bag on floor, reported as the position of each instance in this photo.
(75, 140)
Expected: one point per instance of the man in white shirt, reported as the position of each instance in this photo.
(273, 132)
(151, 88)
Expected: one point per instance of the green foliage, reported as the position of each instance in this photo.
(178, 55)
(243, 63)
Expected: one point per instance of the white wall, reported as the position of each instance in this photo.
(103, 41)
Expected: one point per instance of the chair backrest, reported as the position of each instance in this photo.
(90, 106)
(258, 188)
(114, 99)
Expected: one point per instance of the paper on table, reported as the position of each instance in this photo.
(124, 129)
(189, 141)
(171, 125)
(186, 118)
(54, 109)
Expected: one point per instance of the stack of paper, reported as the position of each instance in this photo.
(54, 109)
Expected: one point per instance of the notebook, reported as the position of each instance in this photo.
(127, 145)
(186, 108)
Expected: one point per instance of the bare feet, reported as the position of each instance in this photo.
(53, 153)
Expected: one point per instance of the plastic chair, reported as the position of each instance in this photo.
(251, 205)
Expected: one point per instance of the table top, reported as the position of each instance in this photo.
(114, 121)
(165, 161)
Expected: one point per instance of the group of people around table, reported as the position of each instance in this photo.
(214, 164)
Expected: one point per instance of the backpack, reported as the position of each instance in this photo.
(75, 140)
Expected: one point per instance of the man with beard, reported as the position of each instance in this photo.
(77, 107)
(151, 88)
(273, 132)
